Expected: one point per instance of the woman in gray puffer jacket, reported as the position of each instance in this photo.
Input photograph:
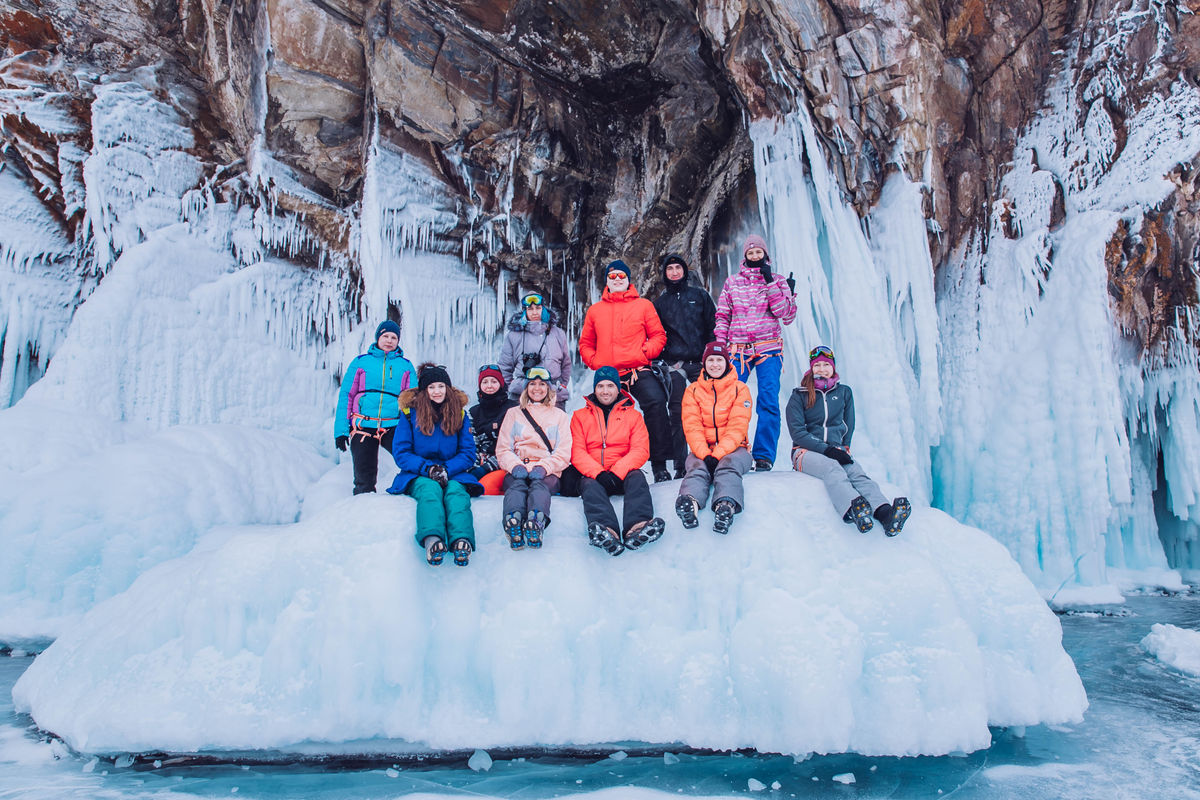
(535, 340)
(820, 418)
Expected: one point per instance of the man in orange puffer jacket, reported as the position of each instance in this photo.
(623, 331)
(716, 421)
(609, 446)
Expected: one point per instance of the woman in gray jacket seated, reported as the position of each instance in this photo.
(535, 340)
(820, 418)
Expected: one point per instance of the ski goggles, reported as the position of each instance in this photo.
(486, 367)
(820, 350)
(532, 300)
(618, 274)
(537, 373)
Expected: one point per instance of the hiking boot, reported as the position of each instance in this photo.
(723, 511)
(763, 465)
(860, 514)
(686, 507)
(435, 550)
(604, 538)
(534, 525)
(643, 533)
(462, 552)
(514, 528)
(898, 512)
(659, 468)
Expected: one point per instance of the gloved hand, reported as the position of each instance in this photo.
(765, 269)
(341, 442)
(537, 473)
(438, 473)
(611, 483)
(489, 463)
(791, 282)
(519, 471)
(838, 454)
(711, 462)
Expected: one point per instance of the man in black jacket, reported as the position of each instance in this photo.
(688, 314)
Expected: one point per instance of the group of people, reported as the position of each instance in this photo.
(683, 359)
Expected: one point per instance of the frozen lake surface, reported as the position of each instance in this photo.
(1141, 731)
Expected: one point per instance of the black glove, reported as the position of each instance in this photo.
(341, 442)
(611, 483)
(489, 463)
(791, 282)
(838, 454)
(438, 473)
(765, 269)
(537, 473)
(711, 462)
(519, 471)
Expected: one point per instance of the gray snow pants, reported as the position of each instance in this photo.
(843, 483)
(522, 495)
(726, 482)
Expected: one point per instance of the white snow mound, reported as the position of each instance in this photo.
(1174, 646)
(792, 634)
(78, 531)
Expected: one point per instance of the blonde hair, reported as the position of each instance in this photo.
(548, 400)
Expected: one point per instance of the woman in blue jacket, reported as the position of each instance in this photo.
(368, 403)
(820, 418)
(435, 451)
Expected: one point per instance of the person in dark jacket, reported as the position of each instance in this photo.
(609, 445)
(688, 315)
(820, 418)
(486, 417)
(535, 339)
(435, 451)
(368, 403)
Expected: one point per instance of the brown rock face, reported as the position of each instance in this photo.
(591, 130)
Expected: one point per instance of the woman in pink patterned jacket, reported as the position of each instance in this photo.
(755, 303)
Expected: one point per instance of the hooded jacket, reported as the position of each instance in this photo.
(416, 452)
(829, 421)
(619, 444)
(520, 444)
(716, 415)
(371, 387)
(751, 308)
(622, 331)
(687, 314)
(486, 418)
(543, 337)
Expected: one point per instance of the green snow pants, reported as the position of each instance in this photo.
(444, 513)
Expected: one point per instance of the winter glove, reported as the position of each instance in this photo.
(438, 473)
(519, 471)
(537, 473)
(489, 463)
(838, 454)
(611, 483)
(711, 462)
(765, 269)
(341, 442)
(791, 282)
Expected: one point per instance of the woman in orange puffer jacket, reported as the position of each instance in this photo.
(716, 420)
(609, 444)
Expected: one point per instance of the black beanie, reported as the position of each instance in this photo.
(430, 374)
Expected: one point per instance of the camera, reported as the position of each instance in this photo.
(530, 360)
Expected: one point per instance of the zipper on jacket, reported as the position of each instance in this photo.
(825, 421)
(716, 431)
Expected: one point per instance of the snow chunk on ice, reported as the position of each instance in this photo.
(792, 634)
(755, 785)
(845, 777)
(480, 761)
(1176, 647)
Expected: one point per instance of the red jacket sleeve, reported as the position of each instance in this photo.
(587, 342)
(639, 448)
(581, 459)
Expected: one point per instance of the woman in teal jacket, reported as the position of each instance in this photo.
(368, 403)
(435, 451)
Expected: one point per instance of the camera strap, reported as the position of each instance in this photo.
(538, 428)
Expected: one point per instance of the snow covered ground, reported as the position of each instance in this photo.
(1174, 646)
(793, 634)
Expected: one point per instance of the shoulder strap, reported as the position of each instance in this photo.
(538, 428)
